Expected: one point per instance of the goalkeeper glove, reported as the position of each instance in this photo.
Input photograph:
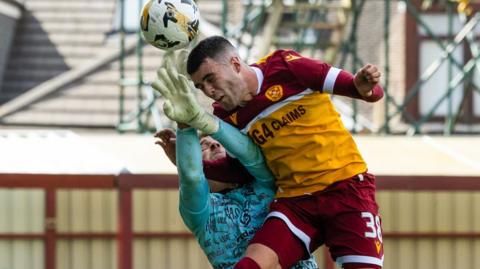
(180, 104)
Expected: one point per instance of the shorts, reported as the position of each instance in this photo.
(344, 217)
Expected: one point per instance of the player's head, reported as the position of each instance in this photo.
(214, 47)
(213, 150)
(217, 70)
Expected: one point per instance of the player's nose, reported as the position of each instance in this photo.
(209, 90)
(215, 145)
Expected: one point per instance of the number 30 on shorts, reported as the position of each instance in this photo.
(373, 226)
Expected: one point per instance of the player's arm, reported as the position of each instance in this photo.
(363, 85)
(243, 148)
(194, 190)
(325, 78)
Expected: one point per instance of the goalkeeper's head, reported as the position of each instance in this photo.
(212, 150)
(217, 70)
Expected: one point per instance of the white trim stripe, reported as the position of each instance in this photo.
(330, 80)
(259, 74)
(275, 107)
(297, 232)
(359, 259)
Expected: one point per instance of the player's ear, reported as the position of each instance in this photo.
(236, 63)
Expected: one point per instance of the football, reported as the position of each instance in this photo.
(169, 24)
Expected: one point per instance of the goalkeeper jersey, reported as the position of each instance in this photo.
(296, 125)
(224, 224)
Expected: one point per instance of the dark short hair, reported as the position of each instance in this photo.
(210, 47)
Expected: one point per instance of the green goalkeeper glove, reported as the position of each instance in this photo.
(180, 104)
(181, 61)
(178, 58)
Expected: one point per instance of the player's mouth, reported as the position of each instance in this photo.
(218, 154)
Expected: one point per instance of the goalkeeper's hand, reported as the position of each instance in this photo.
(178, 58)
(180, 104)
(181, 61)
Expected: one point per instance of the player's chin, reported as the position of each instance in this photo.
(227, 106)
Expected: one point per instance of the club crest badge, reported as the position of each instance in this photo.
(291, 57)
(274, 93)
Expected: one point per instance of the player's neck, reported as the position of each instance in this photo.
(251, 80)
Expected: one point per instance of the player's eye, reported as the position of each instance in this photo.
(211, 79)
(199, 86)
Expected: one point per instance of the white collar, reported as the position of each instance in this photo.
(259, 74)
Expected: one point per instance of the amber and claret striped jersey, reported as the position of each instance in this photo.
(296, 125)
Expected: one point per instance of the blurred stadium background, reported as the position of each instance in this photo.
(83, 186)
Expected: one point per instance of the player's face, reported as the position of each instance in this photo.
(222, 82)
(211, 149)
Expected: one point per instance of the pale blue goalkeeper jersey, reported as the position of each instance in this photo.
(224, 223)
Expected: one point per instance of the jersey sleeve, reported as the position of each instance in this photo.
(309, 72)
(243, 148)
(194, 190)
(320, 76)
(343, 85)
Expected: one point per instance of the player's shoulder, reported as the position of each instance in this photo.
(280, 55)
